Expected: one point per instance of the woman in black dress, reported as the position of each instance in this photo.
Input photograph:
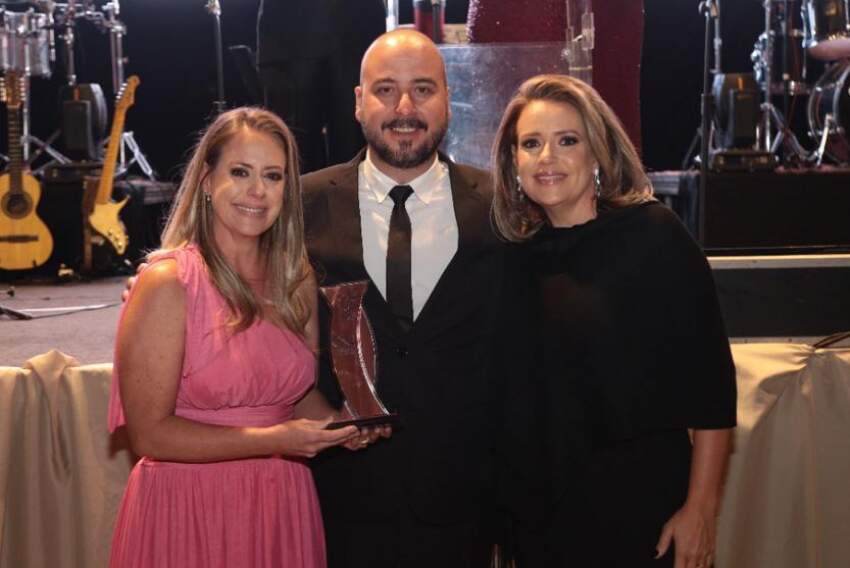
(632, 347)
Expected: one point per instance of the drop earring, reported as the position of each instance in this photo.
(597, 183)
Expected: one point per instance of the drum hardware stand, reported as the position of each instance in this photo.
(28, 138)
(436, 21)
(214, 8)
(829, 126)
(45, 146)
(711, 10)
(68, 39)
(704, 135)
(771, 117)
(117, 31)
(392, 15)
(784, 138)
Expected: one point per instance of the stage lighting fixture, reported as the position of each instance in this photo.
(736, 101)
(736, 98)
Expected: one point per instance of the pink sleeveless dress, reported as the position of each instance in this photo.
(259, 512)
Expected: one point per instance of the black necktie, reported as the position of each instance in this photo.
(399, 294)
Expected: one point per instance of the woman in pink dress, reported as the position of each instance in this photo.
(215, 367)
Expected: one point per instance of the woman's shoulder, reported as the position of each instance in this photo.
(652, 222)
(186, 262)
(648, 214)
(160, 278)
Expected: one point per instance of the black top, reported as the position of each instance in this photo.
(630, 329)
(293, 29)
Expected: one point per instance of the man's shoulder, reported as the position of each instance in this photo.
(321, 179)
(472, 177)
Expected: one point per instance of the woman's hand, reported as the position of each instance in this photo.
(692, 529)
(306, 438)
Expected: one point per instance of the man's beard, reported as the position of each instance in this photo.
(407, 156)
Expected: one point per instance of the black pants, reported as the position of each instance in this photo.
(407, 542)
(618, 502)
(316, 99)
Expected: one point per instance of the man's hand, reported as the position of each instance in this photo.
(131, 281)
(365, 436)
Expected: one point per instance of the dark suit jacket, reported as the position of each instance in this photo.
(439, 377)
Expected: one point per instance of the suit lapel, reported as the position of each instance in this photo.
(470, 208)
(345, 226)
(344, 209)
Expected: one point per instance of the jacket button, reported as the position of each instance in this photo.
(401, 351)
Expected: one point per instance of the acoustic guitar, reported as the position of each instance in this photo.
(104, 217)
(25, 241)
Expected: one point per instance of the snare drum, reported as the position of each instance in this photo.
(827, 28)
(24, 43)
(831, 97)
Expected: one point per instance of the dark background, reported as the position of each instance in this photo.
(170, 47)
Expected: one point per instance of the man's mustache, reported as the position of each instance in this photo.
(404, 123)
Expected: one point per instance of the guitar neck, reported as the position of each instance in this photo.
(16, 151)
(104, 188)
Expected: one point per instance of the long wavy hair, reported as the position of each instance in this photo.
(281, 245)
(624, 181)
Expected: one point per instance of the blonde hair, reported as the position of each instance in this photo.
(281, 245)
(624, 181)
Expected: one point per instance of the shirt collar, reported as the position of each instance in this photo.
(425, 186)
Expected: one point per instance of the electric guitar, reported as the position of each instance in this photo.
(104, 218)
(25, 241)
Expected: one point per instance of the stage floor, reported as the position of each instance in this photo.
(87, 334)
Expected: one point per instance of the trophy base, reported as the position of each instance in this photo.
(380, 420)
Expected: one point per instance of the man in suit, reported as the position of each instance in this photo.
(308, 52)
(422, 497)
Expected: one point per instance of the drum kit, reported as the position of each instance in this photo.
(817, 29)
(29, 33)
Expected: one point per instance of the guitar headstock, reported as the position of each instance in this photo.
(11, 91)
(127, 94)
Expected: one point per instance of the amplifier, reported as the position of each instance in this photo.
(781, 212)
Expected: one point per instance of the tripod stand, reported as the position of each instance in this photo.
(214, 8)
(704, 135)
(783, 143)
(117, 30)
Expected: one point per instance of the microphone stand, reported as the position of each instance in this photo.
(214, 8)
(711, 10)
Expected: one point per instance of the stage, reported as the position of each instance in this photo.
(778, 243)
(78, 318)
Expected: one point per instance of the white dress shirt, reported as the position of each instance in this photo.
(433, 225)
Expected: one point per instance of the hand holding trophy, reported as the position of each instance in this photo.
(354, 361)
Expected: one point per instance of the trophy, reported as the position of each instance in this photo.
(354, 355)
